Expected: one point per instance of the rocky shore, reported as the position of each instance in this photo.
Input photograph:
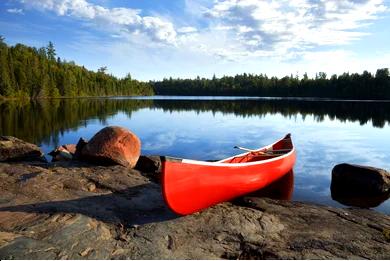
(78, 210)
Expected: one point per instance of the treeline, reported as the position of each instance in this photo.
(31, 72)
(346, 86)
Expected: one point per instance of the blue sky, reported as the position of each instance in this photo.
(153, 39)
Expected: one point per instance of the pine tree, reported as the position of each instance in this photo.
(2, 42)
(51, 52)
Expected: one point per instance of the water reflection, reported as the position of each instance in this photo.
(45, 120)
(279, 189)
(362, 202)
(363, 112)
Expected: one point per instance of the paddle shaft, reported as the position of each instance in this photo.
(245, 149)
(249, 150)
(265, 153)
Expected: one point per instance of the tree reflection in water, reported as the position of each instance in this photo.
(44, 120)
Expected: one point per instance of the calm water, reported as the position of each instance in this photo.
(325, 133)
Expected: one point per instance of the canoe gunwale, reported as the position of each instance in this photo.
(221, 163)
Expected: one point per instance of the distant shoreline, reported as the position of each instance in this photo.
(196, 97)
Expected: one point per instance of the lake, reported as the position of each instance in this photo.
(324, 132)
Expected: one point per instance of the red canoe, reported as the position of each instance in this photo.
(190, 185)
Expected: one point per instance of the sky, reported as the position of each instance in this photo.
(156, 39)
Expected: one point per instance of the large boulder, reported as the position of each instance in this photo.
(360, 186)
(14, 149)
(113, 145)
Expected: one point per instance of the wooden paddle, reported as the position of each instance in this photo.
(245, 149)
(265, 153)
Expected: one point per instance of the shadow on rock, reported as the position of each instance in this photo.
(133, 206)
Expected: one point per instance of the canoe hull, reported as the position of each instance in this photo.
(190, 186)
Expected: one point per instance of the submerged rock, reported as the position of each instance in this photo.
(70, 147)
(360, 186)
(63, 153)
(14, 149)
(113, 145)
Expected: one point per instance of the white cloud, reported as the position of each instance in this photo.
(282, 27)
(15, 11)
(235, 29)
(119, 19)
(229, 36)
(187, 29)
(160, 141)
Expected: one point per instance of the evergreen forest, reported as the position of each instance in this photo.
(365, 86)
(36, 73)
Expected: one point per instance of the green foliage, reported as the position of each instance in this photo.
(6, 87)
(36, 73)
(346, 86)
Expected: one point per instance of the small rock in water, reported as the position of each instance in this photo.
(63, 153)
(360, 186)
(113, 145)
(70, 147)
